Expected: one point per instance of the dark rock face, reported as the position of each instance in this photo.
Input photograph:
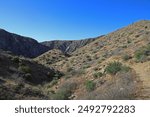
(20, 45)
(68, 46)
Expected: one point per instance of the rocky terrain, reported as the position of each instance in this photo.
(20, 45)
(114, 66)
(20, 78)
(30, 48)
(68, 46)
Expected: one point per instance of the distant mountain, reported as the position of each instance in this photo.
(68, 46)
(29, 47)
(21, 45)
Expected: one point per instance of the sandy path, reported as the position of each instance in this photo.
(143, 71)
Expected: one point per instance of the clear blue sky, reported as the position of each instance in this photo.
(69, 19)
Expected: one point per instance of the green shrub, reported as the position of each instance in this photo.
(98, 74)
(115, 67)
(129, 41)
(90, 85)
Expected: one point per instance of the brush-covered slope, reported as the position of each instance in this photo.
(109, 67)
(20, 45)
(119, 43)
(21, 78)
(51, 57)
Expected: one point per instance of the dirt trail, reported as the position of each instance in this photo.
(143, 71)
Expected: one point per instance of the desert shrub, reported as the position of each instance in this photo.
(114, 67)
(65, 91)
(77, 72)
(97, 74)
(129, 41)
(126, 57)
(56, 76)
(86, 66)
(62, 94)
(90, 85)
(142, 53)
(25, 69)
(124, 46)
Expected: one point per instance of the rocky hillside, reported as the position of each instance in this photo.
(114, 66)
(22, 78)
(109, 67)
(29, 47)
(68, 46)
(51, 57)
(20, 45)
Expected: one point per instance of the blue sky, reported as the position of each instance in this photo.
(69, 19)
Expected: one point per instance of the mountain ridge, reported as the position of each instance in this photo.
(29, 47)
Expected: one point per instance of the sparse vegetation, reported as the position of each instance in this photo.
(142, 53)
(115, 67)
(90, 85)
(65, 91)
(86, 74)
